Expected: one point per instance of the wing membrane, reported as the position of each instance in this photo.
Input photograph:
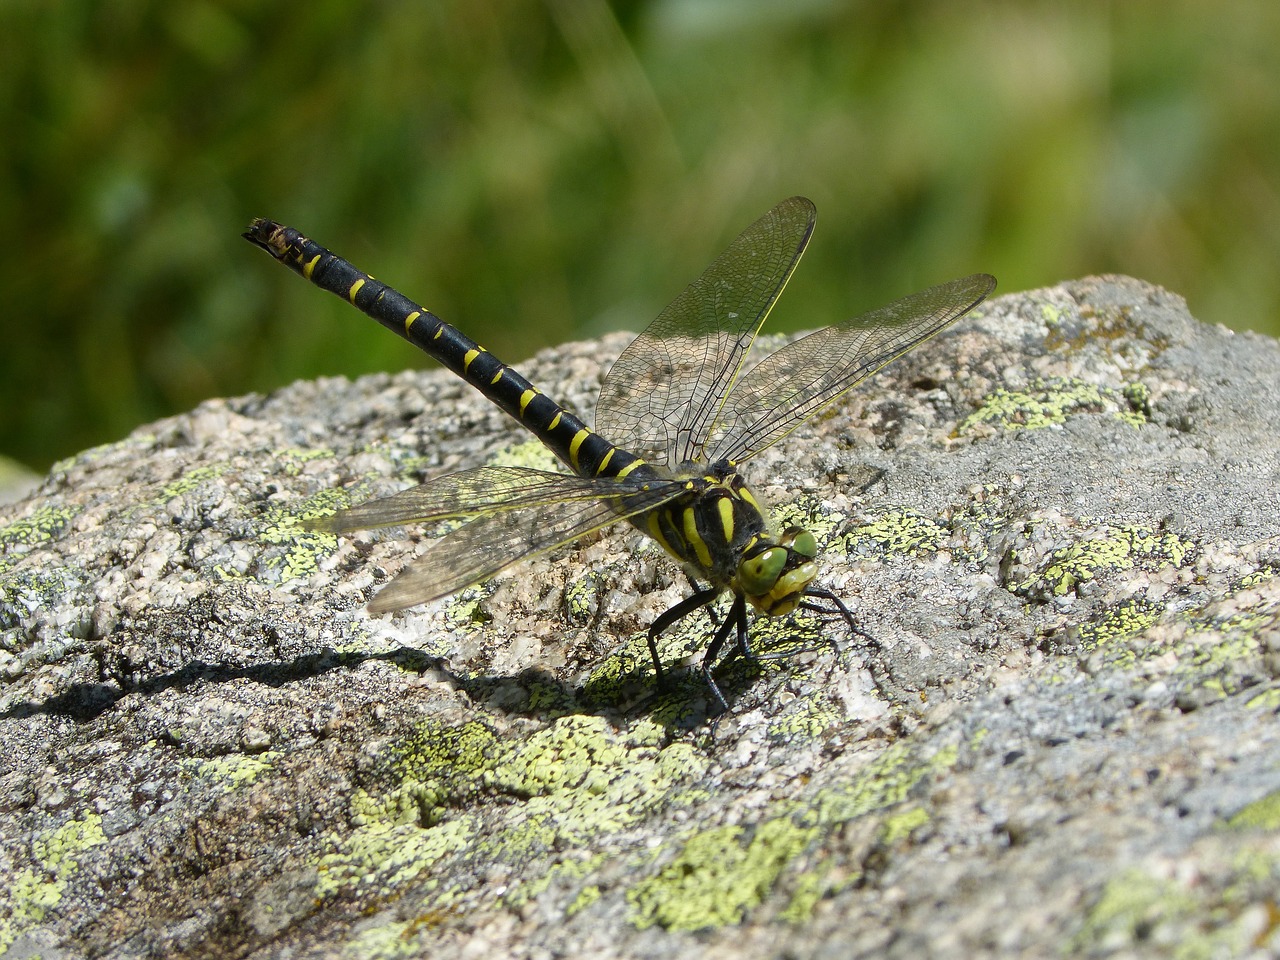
(663, 394)
(790, 386)
(484, 546)
(468, 493)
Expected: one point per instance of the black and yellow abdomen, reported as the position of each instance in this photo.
(584, 451)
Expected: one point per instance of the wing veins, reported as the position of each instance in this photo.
(488, 544)
(466, 493)
(793, 384)
(662, 396)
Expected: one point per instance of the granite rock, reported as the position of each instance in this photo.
(1057, 525)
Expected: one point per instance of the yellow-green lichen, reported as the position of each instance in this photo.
(303, 548)
(1047, 403)
(812, 514)
(1136, 910)
(722, 873)
(36, 891)
(437, 765)
(580, 782)
(584, 595)
(41, 525)
(1126, 619)
(31, 587)
(380, 858)
(57, 850)
(901, 824)
(1128, 903)
(532, 454)
(1266, 700)
(293, 459)
(466, 608)
(565, 870)
(239, 769)
(394, 940)
(899, 532)
(192, 479)
(806, 891)
(718, 876)
(807, 721)
(1106, 550)
(586, 897)
(564, 787)
(886, 781)
(1262, 814)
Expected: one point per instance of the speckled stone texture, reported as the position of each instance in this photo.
(1056, 524)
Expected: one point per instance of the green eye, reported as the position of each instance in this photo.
(758, 574)
(804, 543)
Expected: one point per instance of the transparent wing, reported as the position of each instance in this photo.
(665, 391)
(790, 386)
(479, 549)
(468, 493)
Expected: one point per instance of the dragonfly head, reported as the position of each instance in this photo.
(773, 574)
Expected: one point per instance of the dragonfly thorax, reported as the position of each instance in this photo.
(719, 532)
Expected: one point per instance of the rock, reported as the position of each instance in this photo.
(1056, 524)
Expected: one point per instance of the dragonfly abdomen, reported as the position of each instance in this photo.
(584, 451)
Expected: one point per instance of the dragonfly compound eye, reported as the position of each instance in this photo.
(758, 573)
(801, 541)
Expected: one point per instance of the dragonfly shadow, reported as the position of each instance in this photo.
(534, 692)
(86, 701)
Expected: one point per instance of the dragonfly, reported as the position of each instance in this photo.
(680, 411)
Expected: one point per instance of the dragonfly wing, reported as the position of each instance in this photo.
(490, 543)
(665, 391)
(467, 493)
(790, 386)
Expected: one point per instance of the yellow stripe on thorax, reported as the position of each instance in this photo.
(655, 531)
(724, 506)
(689, 520)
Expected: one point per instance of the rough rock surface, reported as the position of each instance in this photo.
(1057, 524)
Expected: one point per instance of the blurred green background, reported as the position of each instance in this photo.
(539, 171)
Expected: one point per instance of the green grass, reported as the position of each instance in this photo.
(541, 171)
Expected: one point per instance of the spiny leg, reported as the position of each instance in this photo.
(843, 611)
(840, 610)
(737, 617)
(681, 610)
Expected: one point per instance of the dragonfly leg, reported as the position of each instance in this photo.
(843, 611)
(696, 587)
(681, 610)
(840, 610)
(737, 617)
